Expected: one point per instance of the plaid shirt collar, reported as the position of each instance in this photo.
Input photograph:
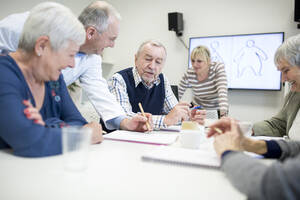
(138, 79)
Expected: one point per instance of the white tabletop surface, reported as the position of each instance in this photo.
(115, 171)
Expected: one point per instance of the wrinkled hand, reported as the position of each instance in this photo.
(180, 112)
(137, 123)
(198, 116)
(223, 125)
(231, 137)
(32, 113)
(96, 132)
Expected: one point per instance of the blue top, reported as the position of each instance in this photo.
(151, 99)
(21, 134)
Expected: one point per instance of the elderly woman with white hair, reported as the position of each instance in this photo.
(281, 179)
(34, 101)
(287, 121)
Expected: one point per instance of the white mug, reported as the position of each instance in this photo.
(192, 138)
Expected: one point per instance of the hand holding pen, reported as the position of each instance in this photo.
(198, 114)
(149, 129)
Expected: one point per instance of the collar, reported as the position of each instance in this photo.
(138, 79)
(80, 54)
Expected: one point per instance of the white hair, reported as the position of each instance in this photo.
(98, 15)
(289, 51)
(152, 43)
(55, 21)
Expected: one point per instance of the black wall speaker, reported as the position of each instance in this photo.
(297, 11)
(176, 22)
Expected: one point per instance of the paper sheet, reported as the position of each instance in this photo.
(155, 137)
(181, 156)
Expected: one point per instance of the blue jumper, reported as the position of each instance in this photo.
(152, 99)
(21, 134)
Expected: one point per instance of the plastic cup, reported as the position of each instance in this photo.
(246, 128)
(76, 141)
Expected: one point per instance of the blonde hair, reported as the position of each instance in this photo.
(202, 52)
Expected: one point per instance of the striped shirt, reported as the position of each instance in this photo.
(117, 87)
(210, 93)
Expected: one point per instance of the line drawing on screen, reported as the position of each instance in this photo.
(248, 58)
(215, 56)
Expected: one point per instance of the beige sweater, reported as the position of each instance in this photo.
(280, 124)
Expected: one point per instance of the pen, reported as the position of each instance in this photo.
(196, 107)
(218, 130)
(143, 113)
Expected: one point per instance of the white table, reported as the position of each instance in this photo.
(115, 171)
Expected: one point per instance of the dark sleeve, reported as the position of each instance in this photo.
(22, 135)
(273, 149)
(69, 112)
(281, 180)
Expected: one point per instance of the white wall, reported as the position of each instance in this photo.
(143, 19)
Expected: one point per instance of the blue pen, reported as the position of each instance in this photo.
(197, 107)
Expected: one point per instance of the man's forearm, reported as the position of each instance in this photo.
(255, 146)
(124, 124)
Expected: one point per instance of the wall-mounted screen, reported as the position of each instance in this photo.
(248, 58)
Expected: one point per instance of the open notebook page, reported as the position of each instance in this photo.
(175, 128)
(205, 156)
(155, 137)
(181, 156)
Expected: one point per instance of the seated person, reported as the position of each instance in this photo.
(34, 101)
(208, 81)
(101, 22)
(287, 60)
(146, 84)
(280, 180)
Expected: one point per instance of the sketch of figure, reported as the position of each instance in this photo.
(215, 56)
(250, 57)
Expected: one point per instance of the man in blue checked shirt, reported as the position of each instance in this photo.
(145, 84)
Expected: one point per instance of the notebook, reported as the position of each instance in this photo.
(181, 156)
(155, 137)
(175, 128)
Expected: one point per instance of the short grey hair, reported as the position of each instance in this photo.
(55, 21)
(98, 15)
(289, 50)
(152, 43)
